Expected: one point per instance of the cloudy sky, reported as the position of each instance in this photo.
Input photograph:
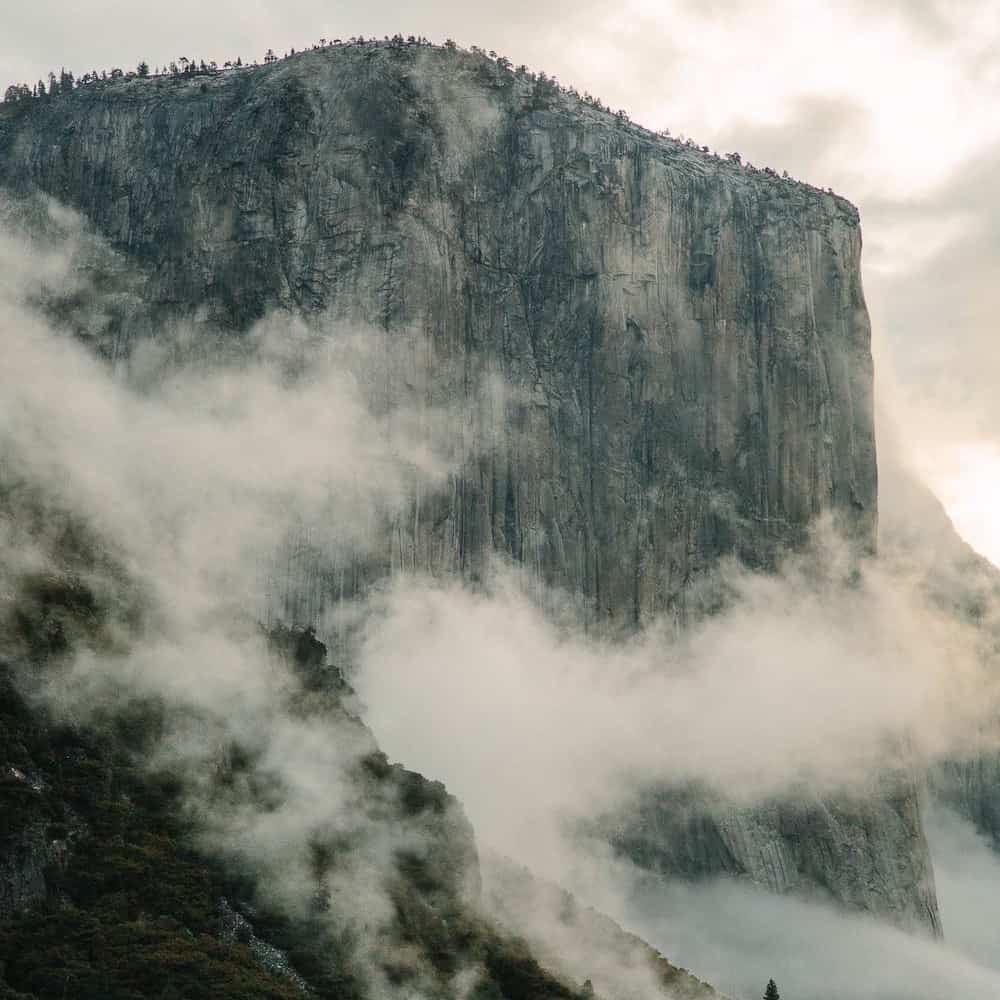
(892, 104)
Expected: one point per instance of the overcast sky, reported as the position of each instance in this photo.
(892, 103)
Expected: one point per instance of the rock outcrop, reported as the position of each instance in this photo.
(684, 341)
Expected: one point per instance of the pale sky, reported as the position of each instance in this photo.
(893, 103)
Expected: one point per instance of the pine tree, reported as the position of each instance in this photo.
(771, 993)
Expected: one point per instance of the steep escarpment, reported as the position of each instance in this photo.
(687, 340)
(682, 343)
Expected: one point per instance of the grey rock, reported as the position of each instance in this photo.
(235, 927)
(965, 588)
(29, 852)
(971, 786)
(685, 340)
(866, 853)
(689, 339)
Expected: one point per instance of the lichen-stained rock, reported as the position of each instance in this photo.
(683, 341)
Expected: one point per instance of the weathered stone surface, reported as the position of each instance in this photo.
(866, 853)
(684, 341)
(690, 339)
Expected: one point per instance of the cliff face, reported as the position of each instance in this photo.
(684, 343)
(869, 854)
(690, 340)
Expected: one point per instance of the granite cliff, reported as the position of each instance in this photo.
(683, 342)
(689, 338)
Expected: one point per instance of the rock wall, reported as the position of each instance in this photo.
(866, 853)
(688, 340)
(684, 342)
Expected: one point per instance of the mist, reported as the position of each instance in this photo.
(200, 480)
(194, 483)
(739, 937)
(806, 685)
(817, 678)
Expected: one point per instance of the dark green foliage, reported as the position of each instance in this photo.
(17, 92)
(517, 974)
(53, 610)
(101, 954)
(132, 910)
(303, 651)
(134, 913)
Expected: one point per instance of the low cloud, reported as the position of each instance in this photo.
(812, 141)
(201, 479)
(739, 937)
(193, 482)
(820, 677)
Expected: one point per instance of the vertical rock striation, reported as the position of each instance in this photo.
(683, 341)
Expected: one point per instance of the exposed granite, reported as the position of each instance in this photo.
(869, 854)
(23, 860)
(684, 341)
(964, 588)
(688, 339)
